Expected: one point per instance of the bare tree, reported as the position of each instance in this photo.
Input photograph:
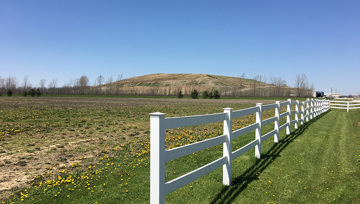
(118, 84)
(255, 82)
(264, 79)
(301, 84)
(241, 84)
(2, 83)
(10, 83)
(278, 86)
(110, 85)
(26, 82)
(100, 81)
(84, 81)
(53, 83)
(52, 86)
(110, 80)
(42, 84)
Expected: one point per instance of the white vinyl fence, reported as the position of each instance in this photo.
(304, 111)
(345, 105)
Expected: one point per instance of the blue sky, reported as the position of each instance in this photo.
(64, 39)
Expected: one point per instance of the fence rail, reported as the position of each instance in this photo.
(348, 105)
(307, 110)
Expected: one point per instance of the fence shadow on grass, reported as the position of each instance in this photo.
(240, 183)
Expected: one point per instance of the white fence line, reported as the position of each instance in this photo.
(307, 110)
(344, 105)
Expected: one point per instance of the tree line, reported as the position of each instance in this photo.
(259, 86)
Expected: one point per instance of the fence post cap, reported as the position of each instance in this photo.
(157, 114)
(227, 109)
(258, 104)
(277, 102)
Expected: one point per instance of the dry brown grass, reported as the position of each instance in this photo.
(171, 84)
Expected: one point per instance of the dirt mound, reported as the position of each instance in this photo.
(171, 84)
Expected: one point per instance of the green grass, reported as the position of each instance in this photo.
(318, 163)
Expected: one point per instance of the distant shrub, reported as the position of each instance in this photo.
(9, 92)
(194, 94)
(180, 94)
(211, 95)
(216, 94)
(32, 92)
(25, 93)
(0, 94)
(38, 92)
(205, 95)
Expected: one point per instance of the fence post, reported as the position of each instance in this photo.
(307, 109)
(277, 122)
(348, 106)
(311, 109)
(258, 131)
(297, 114)
(322, 106)
(288, 117)
(227, 147)
(302, 113)
(157, 163)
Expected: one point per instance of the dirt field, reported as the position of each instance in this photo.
(42, 137)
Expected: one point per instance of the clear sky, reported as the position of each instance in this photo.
(65, 39)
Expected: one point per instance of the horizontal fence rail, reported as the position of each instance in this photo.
(348, 105)
(303, 111)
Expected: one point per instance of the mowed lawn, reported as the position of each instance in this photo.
(318, 163)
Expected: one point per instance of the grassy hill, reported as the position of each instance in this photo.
(171, 84)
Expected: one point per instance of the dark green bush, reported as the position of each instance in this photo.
(211, 95)
(9, 93)
(32, 92)
(216, 94)
(205, 95)
(25, 93)
(180, 94)
(194, 94)
(38, 92)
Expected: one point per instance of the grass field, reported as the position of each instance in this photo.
(96, 150)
